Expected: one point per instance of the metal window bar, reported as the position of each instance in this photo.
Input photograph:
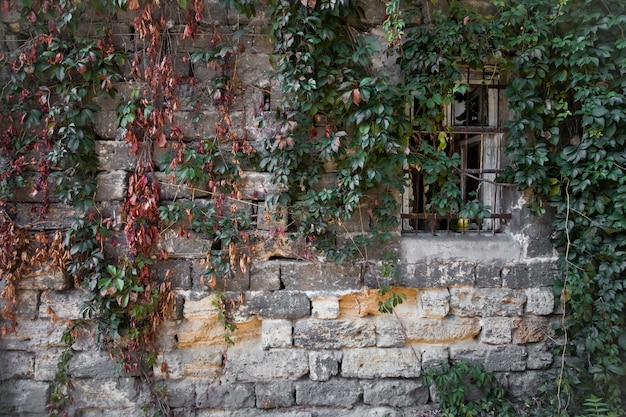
(482, 119)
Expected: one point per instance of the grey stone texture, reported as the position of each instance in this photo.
(336, 334)
(334, 393)
(301, 350)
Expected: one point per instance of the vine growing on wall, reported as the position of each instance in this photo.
(336, 151)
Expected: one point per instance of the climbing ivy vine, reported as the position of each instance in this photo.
(336, 150)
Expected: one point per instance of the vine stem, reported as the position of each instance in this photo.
(563, 301)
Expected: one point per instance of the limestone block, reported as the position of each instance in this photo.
(266, 220)
(16, 364)
(235, 280)
(486, 302)
(523, 384)
(111, 185)
(506, 358)
(255, 185)
(277, 305)
(254, 412)
(58, 216)
(488, 275)
(102, 393)
(44, 278)
(209, 332)
(454, 272)
(106, 125)
(334, 393)
(27, 302)
(265, 276)
(535, 274)
(275, 394)
(224, 395)
(94, 364)
(323, 364)
(115, 156)
(334, 334)
(395, 393)
(192, 363)
(539, 356)
(22, 396)
(33, 335)
(389, 332)
(325, 307)
(531, 329)
(175, 271)
(308, 276)
(539, 301)
(259, 366)
(45, 364)
(193, 246)
(447, 330)
(381, 363)
(496, 330)
(434, 303)
(432, 355)
(276, 334)
(180, 394)
(66, 305)
(200, 308)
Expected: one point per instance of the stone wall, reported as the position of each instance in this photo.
(310, 341)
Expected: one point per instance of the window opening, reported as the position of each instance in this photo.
(473, 128)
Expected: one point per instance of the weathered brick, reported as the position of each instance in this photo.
(277, 305)
(539, 301)
(325, 307)
(16, 364)
(496, 330)
(433, 356)
(27, 303)
(396, 393)
(276, 334)
(224, 395)
(115, 156)
(67, 305)
(58, 216)
(275, 394)
(324, 364)
(485, 302)
(539, 356)
(308, 276)
(265, 276)
(193, 246)
(389, 332)
(93, 364)
(192, 363)
(381, 363)
(334, 334)
(489, 275)
(111, 185)
(175, 271)
(434, 303)
(288, 364)
(530, 275)
(102, 393)
(531, 329)
(334, 393)
(180, 394)
(44, 278)
(500, 358)
(447, 330)
(19, 397)
(31, 335)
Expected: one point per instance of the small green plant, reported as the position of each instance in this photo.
(464, 388)
(597, 407)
